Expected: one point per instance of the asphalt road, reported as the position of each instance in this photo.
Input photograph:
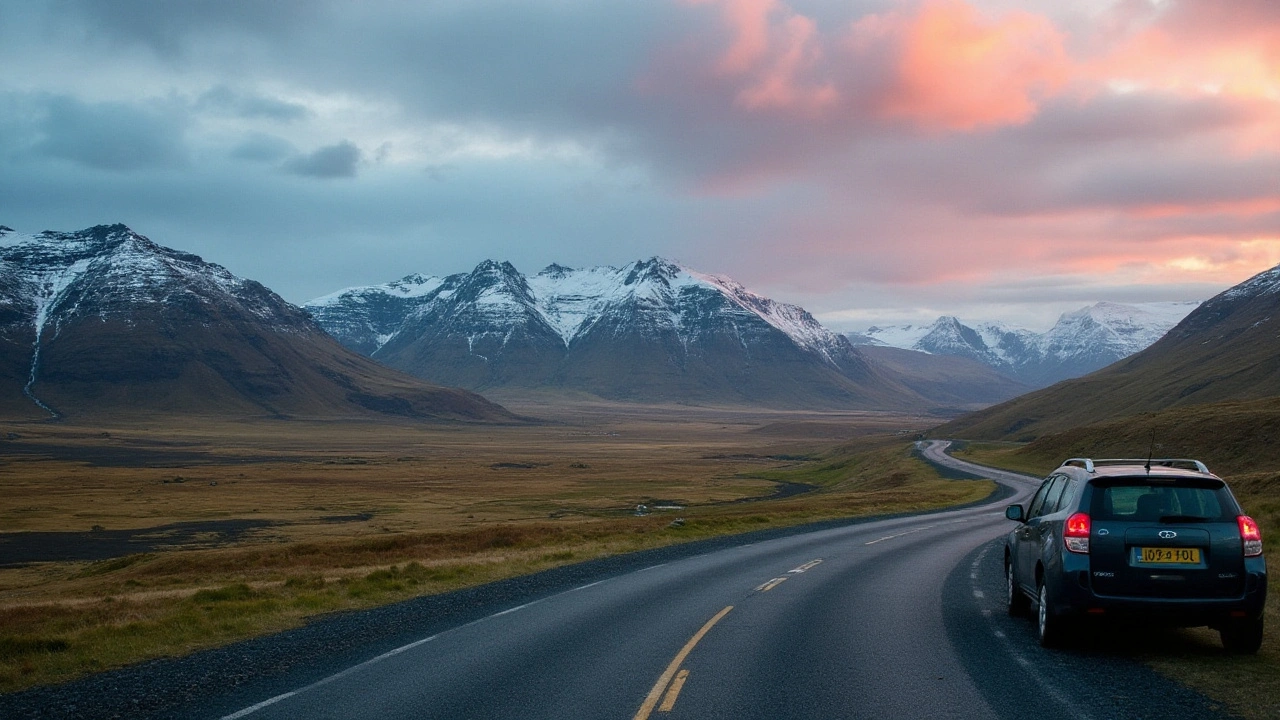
(882, 619)
(896, 618)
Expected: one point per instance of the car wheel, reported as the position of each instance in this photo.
(1050, 628)
(1017, 603)
(1242, 637)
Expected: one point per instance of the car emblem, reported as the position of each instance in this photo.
(1103, 531)
(1168, 534)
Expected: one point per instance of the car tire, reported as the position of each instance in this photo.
(1050, 628)
(1017, 603)
(1242, 637)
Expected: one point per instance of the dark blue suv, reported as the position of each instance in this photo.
(1152, 540)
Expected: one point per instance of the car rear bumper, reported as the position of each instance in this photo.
(1077, 597)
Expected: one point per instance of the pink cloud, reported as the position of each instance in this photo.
(942, 66)
(1203, 49)
(942, 142)
(959, 70)
(773, 53)
(750, 22)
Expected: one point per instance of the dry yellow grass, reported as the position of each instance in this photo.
(359, 515)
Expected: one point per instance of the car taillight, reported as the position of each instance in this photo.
(1076, 533)
(1250, 535)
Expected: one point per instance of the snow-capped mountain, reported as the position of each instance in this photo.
(1226, 350)
(106, 321)
(366, 318)
(1079, 343)
(651, 330)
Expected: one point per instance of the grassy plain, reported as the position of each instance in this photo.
(299, 518)
(1236, 440)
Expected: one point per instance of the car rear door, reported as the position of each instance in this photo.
(1038, 527)
(1023, 552)
(1162, 537)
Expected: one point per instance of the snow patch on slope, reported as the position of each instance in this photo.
(411, 286)
(570, 300)
(791, 320)
(898, 336)
(1262, 283)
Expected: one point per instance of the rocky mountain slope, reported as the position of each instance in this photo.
(1079, 343)
(948, 381)
(649, 331)
(105, 321)
(1227, 349)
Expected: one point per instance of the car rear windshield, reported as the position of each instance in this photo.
(1141, 499)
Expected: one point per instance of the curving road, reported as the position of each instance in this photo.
(895, 618)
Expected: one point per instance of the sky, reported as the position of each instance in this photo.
(874, 161)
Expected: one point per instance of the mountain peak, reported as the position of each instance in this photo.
(96, 235)
(948, 321)
(649, 330)
(104, 320)
(498, 272)
(493, 266)
(654, 269)
(1081, 341)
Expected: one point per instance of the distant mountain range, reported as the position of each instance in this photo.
(649, 331)
(1227, 349)
(1079, 343)
(106, 322)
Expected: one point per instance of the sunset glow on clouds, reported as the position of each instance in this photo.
(1144, 150)
(874, 161)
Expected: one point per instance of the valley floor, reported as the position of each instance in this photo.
(126, 540)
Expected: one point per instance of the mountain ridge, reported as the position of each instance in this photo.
(1080, 341)
(649, 330)
(1226, 350)
(106, 321)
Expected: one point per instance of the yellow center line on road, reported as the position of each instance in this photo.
(669, 702)
(890, 537)
(770, 584)
(806, 566)
(651, 701)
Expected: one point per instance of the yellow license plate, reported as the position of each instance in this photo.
(1184, 556)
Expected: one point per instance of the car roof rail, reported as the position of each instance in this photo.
(1085, 463)
(1090, 464)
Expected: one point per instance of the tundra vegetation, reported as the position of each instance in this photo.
(217, 531)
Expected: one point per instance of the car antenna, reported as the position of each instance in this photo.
(1151, 451)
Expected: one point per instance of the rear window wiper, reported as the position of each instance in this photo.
(1183, 519)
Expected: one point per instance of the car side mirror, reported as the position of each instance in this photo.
(1015, 512)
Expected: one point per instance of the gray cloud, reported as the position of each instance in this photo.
(112, 136)
(305, 239)
(223, 99)
(168, 26)
(333, 161)
(261, 147)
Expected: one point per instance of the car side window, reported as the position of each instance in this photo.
(1036, 502)
(1064, 499)
(1054, 496)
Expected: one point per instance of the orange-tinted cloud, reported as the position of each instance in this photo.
(1198, 49)
(1194, 47)
(772, 57)
(959, 70)
(942, 66)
